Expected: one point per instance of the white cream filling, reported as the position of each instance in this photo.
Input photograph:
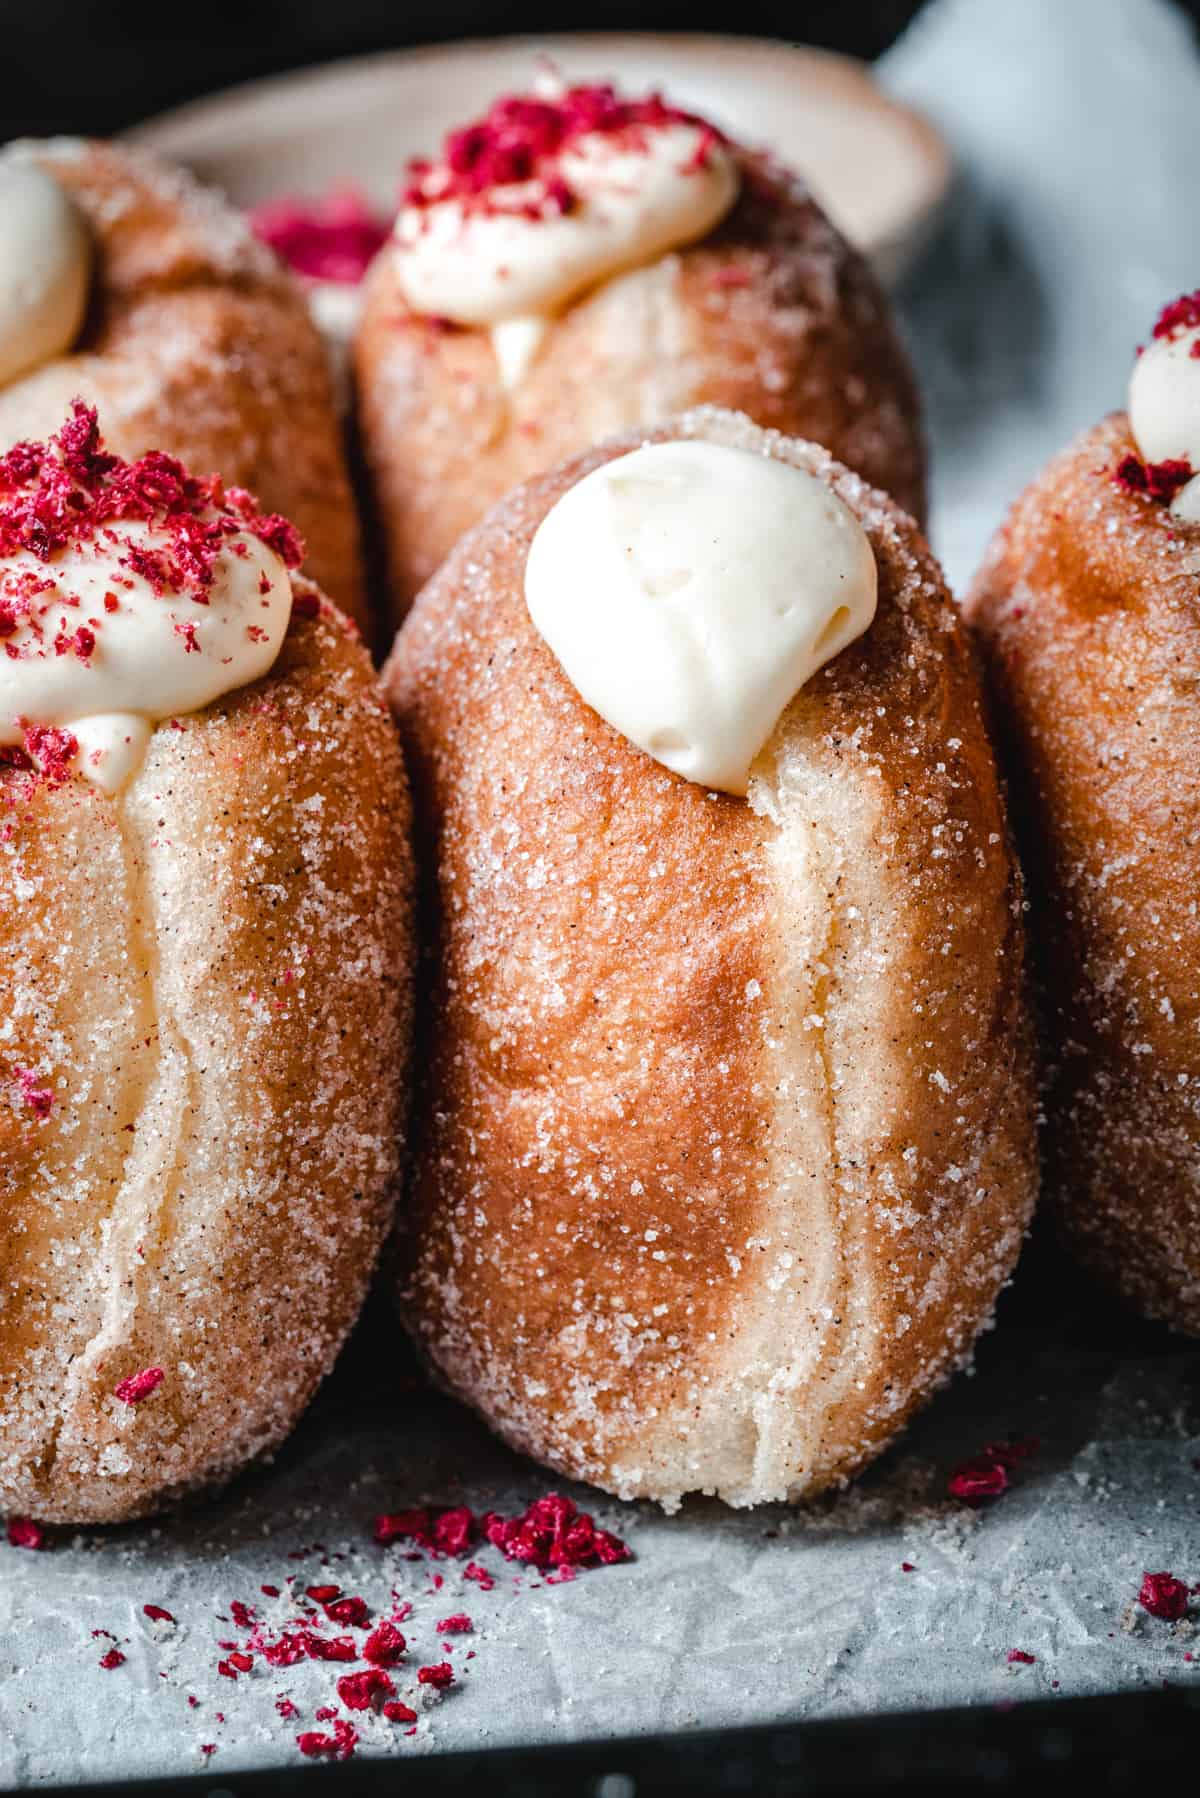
(1164, 410)
(154, 657)
(492, 264)
(690, 589)
(45, 268)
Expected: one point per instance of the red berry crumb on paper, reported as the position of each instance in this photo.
(384, 1646)
(395, 1712)
(458, 1625)
(111, 1658)
(139, 1385)
(338, 1746)
(1164, 1596)
(358, 1691)
(986, 1475)
(156, 1613)
(23, 1532)
(1017, 1657)
(439, 1676)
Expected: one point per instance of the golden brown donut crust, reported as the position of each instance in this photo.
(211, 976)
(197, 342)
(1086, 607)
(724, 1138)
(773, 314)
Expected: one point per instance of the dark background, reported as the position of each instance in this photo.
(91, 66)
(70, 66)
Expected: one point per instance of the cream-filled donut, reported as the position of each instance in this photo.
(577, 262)
(45, 268)
(1086, 610)
(724, 1141)
(124, 283)
(205, 861)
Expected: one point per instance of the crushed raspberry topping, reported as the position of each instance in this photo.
(358, 1691)
(139, 1385)
(70, 491)
(395, 1712)
(1164, 1596)
(384, 1646)
(519, 143)
(337, 1746)
(23, 1532)
(34, 1093)
(1155, 480)
(156, 1613)
(986, 1475)
(439, 1676)
(111, 1658)
(1179, 316)
(553, 1532)
(458, 1625)
(334, 239)
(1018, 1657)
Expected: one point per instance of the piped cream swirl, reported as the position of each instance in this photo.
(45, 268)
(513, 258)
(94, 648)
(690, 589)
(1164, 409)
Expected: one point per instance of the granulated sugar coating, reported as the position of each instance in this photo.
(209, 973)
(724, 1135)
(1087, 609)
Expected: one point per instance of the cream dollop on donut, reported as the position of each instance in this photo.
(45, 267)
(1164, 398)
(549, 196)
(690, 589)
(148, 594)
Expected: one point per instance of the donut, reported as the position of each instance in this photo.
(205, 861)
(125, 283)
(724, 1138)
(578, 264)
(1085, 609)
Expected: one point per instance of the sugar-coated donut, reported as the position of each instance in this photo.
(724, 1144)
(769, 311)
(195, 341)
(205, 991)
(1086, 608)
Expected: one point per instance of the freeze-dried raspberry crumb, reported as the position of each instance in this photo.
(208, 1748)
(23, 1532)
(907, 1567)
(138, 1386)
(985, 1475)
(458, 1625)
(112, 1658)
(553, 1532)
(241, 1614)
(358, 1691)
(156, 1613)
(384, 1646)
(269, 1591)
(34, 1092)
(286, 1708)
(1180, 315)
(1164, 1596)
(518, 145)
(439, 1676)
(330, 1648)
(1155, 480)
(322, 1594)
(395, 1712)
(334, 239)
(350, 1611)
(338, 1746)
(481, 1576)
(1018, 1657)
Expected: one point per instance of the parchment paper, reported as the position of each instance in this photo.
(1078, 128)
